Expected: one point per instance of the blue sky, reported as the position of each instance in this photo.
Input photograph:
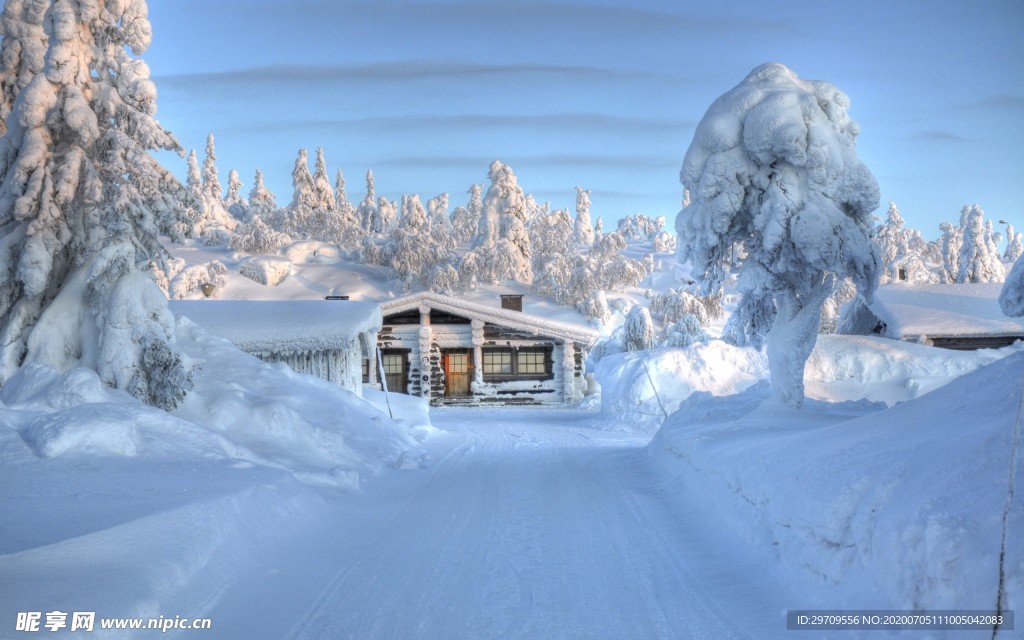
(603, 94)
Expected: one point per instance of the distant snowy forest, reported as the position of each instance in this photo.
(500, 233)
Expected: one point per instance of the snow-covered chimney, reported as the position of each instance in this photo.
(512, 302)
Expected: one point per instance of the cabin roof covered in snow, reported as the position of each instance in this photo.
(528, 323)
(943, 310)
(283, 326)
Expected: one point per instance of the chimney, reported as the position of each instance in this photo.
(512, 302)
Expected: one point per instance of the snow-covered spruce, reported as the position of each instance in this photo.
(82, 204)
(1011, 298)
(773, 169)
(979, 258)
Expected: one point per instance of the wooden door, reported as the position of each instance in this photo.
(458, 372)
(396, 370)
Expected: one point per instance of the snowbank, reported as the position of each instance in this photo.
(312, 252)
(899, 508)
(266, 270)
(241, 409)
(642, 388)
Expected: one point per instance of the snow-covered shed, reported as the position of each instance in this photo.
(325, 338)
(456, 352)
(952, 316)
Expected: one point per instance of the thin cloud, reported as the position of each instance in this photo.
(938, 135)
(396, 71)
(1000, 101)
(555, 122)
(546, 161)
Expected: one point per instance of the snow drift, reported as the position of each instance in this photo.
(901, 508)
(241, 409)
(643, 388)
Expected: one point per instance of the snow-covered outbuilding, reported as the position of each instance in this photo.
(325, 338)
(456, 352)
(952, 316)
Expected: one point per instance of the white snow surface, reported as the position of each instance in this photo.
(513, 523)
(901, 508)
(241, 409)
(970, 309)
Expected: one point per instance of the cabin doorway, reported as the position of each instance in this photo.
(395, 363)
(458, 373)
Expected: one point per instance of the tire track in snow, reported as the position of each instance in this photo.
(527, 529)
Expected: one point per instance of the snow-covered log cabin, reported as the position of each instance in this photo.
(455, 352)
(951, 316)
(325, 338)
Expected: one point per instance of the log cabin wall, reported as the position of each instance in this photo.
(506, 365)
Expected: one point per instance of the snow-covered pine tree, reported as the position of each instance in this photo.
(234, 196)
(22, 50)
(82, 204)
(414, 216)
(684, 332)
(583, 232)
(352, 230)
(1014, 247)
(978, 262)
(465, 218)
(261, 200)
(1011, 298)
(773, 166)
(211, 181)
(437, 209)
(890, 239)
(303, 192)
(503, 219)
(551, 237)
(385, 217)
(367, 211)
(595, 307)
(323, 194)
(341, 196)
(193, 177)
(638, 332)
(256, 237)
(950, 241)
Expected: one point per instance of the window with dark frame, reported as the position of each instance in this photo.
(366, 370)
(532, 362)
(504, 363)
(498, 362)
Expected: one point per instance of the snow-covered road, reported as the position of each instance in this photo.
(527, 524)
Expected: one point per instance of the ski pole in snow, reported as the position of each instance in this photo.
(384, 383)
(654, 388)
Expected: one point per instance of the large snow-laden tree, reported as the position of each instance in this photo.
(22, 50)
(773, 168)
(502, 227)
(82, 204)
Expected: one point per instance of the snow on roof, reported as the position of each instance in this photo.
(581, 335)
(943, 310)
(283, 326)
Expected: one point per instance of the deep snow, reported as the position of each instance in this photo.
(527, 523)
